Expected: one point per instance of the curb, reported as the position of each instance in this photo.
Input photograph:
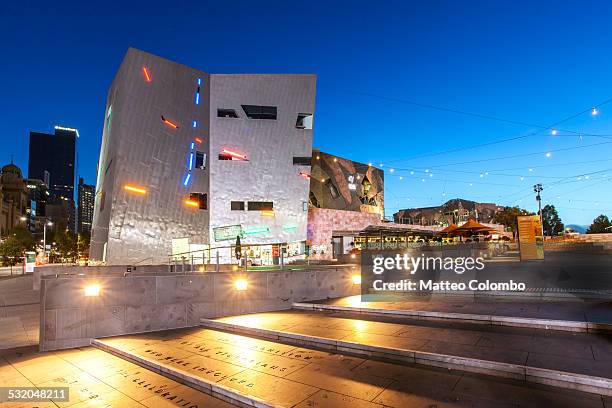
(580, 382)
(493, 320)
(208, 387)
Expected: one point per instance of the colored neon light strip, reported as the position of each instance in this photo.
(197, 98)
(169, 122)
(199, 81)
(305, 175)
(195, 123)
(187, 178)
(234, 154)
(198, 140)
(146, 73)
(256, 230)
(290, 227)
(192, 145)
(192, 203)
(267, 213)
(134, 189)
(190, 161)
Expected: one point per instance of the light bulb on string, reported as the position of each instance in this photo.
(594, 111)
(554, 132)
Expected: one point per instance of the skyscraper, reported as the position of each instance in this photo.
(56, 154)
(86, 194)
(53, 158)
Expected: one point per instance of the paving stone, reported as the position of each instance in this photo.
(327, 399)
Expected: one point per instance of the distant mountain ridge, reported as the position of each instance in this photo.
(581, 229)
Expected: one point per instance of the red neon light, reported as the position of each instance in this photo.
(233, 154)
(306, 176)
(146, 74)
(198, 140)
(169, 123)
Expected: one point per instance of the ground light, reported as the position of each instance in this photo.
(241, 284)
(92, 290)
(356, 279)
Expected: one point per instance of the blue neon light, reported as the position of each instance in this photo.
(197, 101)
(190, 161)
(187, 178)
(195, 124)
(199, 81)
(192, 145)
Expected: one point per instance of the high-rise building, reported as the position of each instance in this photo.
(191, 159)
(86, 194)
(53, 159)
(38, 194)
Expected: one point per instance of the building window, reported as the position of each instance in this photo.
(201, 199)
(333, 190)
(200, 160)
(226, 113)
(260, 112)
(261, 206)
(304, 121)
(312, 199)
(302, 161)
(237, 205)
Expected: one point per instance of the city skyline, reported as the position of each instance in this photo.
(505, 84)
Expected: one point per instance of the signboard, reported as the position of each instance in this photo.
(180, 247)
(227, 232)
(531, 241)
(30, 261)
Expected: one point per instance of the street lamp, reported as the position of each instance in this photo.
(49, 223)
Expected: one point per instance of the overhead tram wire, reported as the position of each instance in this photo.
(490, 117)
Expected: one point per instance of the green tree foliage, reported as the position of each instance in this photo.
(66, 245)
(14, 247)
(83, 244)
(600, 225)
(550, 221)
(507, 217)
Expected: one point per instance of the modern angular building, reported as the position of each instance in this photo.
(193, 160)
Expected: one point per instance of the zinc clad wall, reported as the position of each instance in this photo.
(270, 145)
(144, 152)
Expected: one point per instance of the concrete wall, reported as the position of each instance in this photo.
(146, 303)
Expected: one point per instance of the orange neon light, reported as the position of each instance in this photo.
(169, 123)
(134, 189)
(147, 76)
(234, 154)
(305, 175)
(198, 140)
(267, 213)
(192, 203)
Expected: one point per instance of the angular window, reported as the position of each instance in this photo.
(261, 206)
(302, 161)
(237, 205)
(365, 183)
(333, 190)
(226, 113)
(304, 121)
(201, 199)
(260, 112)
(312, 200)
(200, 160)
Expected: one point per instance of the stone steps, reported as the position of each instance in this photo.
(487, 319)
(253, 372)
(570, 362)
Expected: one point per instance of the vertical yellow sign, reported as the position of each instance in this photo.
(531, 241)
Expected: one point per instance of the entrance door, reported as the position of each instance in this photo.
(336, 247)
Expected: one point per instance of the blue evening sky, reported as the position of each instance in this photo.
(531, 62)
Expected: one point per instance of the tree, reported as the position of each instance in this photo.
(83, 243)
(507, 217)
(66, 244)
(600, 225)
(14, 247)
(550, 221)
